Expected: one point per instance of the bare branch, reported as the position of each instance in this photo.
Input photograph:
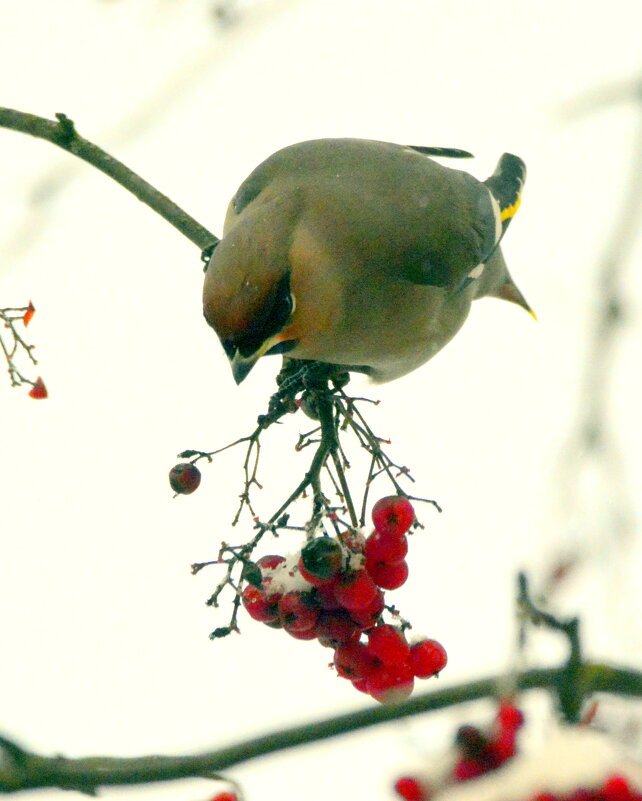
(23, 770)
(63, 134)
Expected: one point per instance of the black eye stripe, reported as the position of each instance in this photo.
(270, 322)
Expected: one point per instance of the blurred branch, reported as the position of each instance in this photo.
(23, 770)
(63, 134)
(570, 689)
(592, 447)
(237, 27)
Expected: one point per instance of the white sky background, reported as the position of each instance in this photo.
(105, 646)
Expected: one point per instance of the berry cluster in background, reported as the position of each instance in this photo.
(333, 591)
(477, 753)
(615, 788)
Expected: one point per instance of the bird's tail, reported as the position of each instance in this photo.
(506, 185)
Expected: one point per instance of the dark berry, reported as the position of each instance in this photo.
(335, 628)
(184, 478)
(321, 561)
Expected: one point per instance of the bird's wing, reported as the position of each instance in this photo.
(400, 211)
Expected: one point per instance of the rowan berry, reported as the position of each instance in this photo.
(509, 716)
(467, 769)
(617, 788)
(410, 789)
(388, 644)
(388, 576)
(382, 548)
(321, 561)
(270, 561)
(390, 684)
(334, 628)
(297, 611)
(354, 660)
(355, 590)
(258, 605)
(427, 658)
(367, 617)
(39, 390)
(393, 515)
(184, 478)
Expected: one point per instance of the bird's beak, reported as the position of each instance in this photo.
(241, 365)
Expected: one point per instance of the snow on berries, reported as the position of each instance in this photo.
(184, 478)
(333, 591)
(573, 763)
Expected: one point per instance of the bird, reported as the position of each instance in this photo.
(358, 253)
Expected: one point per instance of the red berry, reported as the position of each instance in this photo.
(388, 576)
(427, 658)
(410, 789)
(354, 661)
(390, 684)
(184, 478)
(335, 628)
(270, 561)
(503, 747)
(545, 797)
(385, 548)
(29, 313)
(258, 605)
(617, 789)
(509, 716)
(393, 516)
(360, 684)
(467, 769)
(38, 390)
(326, 598)
(355, 590)
(367, 617)
(305, 634)
(388, 644)
(224, 797)
(297, 611)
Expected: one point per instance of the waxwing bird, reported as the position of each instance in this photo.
(358, 253)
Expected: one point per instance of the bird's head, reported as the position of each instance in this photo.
(248, 301)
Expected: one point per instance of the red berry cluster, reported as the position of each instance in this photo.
(479, 752)
(332, 591)
(615, 788)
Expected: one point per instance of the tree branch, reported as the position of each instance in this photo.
(63, 134)
(23, 770)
